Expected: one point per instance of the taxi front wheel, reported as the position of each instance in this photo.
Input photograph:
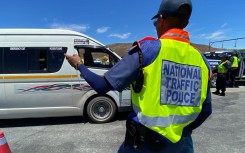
(101, 109)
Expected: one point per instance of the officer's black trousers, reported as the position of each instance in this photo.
(233, 74)
(221, 82)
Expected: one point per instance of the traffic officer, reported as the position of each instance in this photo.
(223, 68)
(170, 84)
(234, 60)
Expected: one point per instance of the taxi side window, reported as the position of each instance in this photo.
(1, 60)
(15, 60)
(33, 59)
(97, 58)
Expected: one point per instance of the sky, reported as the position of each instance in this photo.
(126, 21)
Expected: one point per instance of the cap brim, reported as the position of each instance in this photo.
(154, 17)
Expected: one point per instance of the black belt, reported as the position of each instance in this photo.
(137, 134)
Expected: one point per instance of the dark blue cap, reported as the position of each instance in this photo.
(171, 8)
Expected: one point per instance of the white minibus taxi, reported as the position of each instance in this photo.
(36, 80)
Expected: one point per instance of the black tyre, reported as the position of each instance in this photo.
(213, 80)
(101, 109)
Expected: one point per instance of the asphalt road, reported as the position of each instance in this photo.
(223, 132)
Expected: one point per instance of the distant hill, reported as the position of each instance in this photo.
(122, 48)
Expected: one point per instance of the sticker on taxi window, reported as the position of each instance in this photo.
(81, 41)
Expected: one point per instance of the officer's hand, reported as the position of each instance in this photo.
(74, 60)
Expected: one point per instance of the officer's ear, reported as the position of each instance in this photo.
(161, 20)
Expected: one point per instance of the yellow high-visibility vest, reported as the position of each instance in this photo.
(174, 89)
(221, 68)
(235, 62)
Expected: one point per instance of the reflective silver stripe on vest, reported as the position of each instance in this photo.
(177, 35)
(2, 141)
(163, 121)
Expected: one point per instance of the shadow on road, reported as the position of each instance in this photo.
(240, 83)
(237, 84)
(41, 121)
(52, 121)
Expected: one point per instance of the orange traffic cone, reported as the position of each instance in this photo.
(4, 147)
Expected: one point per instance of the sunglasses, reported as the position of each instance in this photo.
(156, 19)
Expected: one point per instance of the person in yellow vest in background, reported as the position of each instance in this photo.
(223, 68)
(169, 84)
(234, 60)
